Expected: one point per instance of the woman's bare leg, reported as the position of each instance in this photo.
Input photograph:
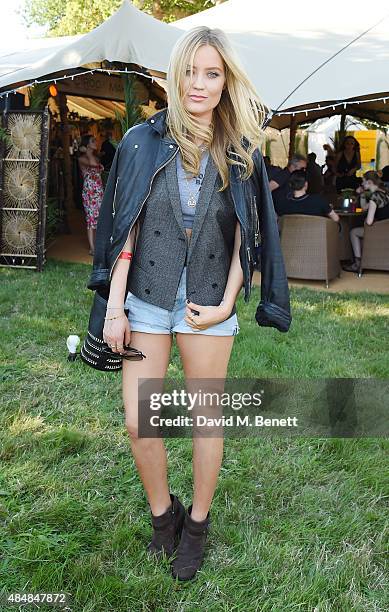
(149, 453)
(90, 233)
(205, 357)
(356, 236)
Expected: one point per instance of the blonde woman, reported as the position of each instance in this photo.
(192, 182)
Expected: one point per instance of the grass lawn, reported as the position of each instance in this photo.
(298, 524)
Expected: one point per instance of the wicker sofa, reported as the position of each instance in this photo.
(310, 246)
(375, 251)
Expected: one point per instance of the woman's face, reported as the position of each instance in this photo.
(92, 144)
(349, 144)
(203, 93)
(368, 185)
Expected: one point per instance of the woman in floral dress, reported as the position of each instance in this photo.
(92, 191)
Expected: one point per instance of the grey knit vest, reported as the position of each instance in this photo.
(162, 247)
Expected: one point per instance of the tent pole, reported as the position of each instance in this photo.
(342, 122)
(67, 162)
(292, 136)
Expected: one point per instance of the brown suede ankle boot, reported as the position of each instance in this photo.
(167, 529)
(191, 549)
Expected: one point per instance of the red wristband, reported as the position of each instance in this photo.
(125, 255)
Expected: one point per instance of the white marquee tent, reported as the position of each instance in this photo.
(279, 45)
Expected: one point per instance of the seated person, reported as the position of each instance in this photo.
(314, 175)
(299, 202)
(279, 180)
(373, 198)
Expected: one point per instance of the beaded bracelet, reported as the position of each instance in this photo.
(112, 318)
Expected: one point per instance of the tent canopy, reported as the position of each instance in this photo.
(278, 48)
(129, 36)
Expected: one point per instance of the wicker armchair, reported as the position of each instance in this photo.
(375, 251)
(310, 246)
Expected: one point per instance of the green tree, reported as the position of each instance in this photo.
(70, 17)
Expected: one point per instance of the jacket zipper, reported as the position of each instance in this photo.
(256, 239)
(141, 206)
(114, 197)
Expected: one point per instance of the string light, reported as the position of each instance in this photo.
(332, 105)
(73, 76)
(154, 80)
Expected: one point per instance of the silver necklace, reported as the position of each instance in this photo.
(192, 200)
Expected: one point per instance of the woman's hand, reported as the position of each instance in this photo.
(209, 315)
(116, 333)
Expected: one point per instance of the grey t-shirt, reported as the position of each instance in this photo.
(189, 187)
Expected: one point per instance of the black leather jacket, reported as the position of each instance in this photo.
(141, 154)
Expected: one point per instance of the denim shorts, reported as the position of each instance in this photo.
(145, 317)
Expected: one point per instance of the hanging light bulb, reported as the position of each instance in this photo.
(72, 343)
(53, 91)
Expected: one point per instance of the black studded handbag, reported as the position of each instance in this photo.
(95, 352)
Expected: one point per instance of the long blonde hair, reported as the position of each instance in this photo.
(238, 115)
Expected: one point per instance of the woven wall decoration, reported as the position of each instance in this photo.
(23, 180)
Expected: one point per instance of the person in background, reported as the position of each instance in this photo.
(385, 176)
(279, 180)
(328, 149)
(329, 175)
(107, 151)
(373, 198)
(299, 202)
(314, 175)
(92, 189)
(270, 168)
(348, 161)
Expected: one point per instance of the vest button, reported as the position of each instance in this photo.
(157, 233)
(171, 146)
(212, 256)
(147, 291)
(151, 262)
(214, 285)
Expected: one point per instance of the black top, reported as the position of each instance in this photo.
(109, 153)
(344, 165)
(385, 174)
(381, 200)
(308, 204)
(282, 177)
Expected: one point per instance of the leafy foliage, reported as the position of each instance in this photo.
(38, 94)
(80, 16)
(133, 113)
